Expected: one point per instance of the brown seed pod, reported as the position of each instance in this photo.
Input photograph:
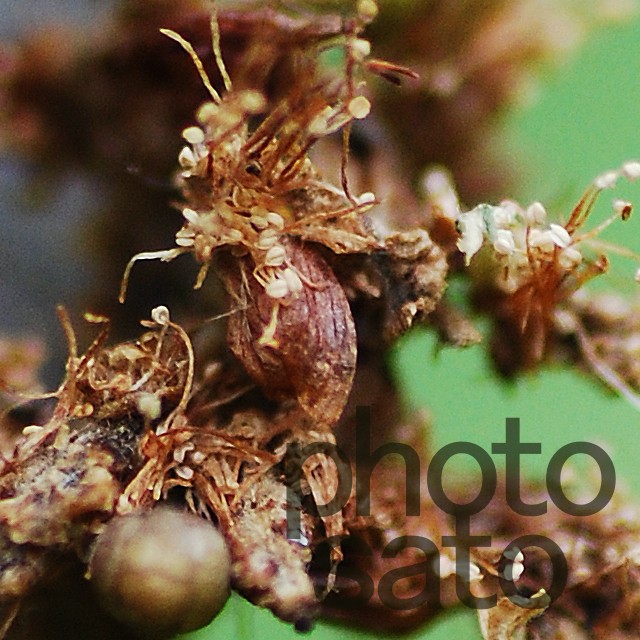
(161, 572)
(312, 352)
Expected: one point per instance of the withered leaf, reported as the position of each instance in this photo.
(313, 355)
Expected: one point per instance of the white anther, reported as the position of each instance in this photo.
(32, 428)
(252, 101)
(569, 258)
(275, 220)
(359, 107)
(366, 198)
(535, 214)
(294, 283)
(277, 288)
(474, 572)
(504, 242)
(631, 170)
(267, 239)
(361, 48)
(514, 554)
(193, 135)
(186, 158)
(513, 571)
(149, 405)
(606, 180)
(207, 112)
(276, 256)
(197, 457)
(190, 215)
(559, 235)
(320, 123)
(160, 315)
(504, 216)
(542, 240)
(471, 227)
(180, 451)
(367, 9)
(233, 235)
(186, 232)
(184, 472)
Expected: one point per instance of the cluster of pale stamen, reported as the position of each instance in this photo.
(522, 240)
(236, 220)
(240, 217)
(178, 450)
(259, 234)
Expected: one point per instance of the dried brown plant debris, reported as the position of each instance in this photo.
(112, 101)
(145, 422)
(600, 598)
(65, 477)
(257, 210)
(119, 441)
(319, 279)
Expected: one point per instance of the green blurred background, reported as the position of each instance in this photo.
(583, 120)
